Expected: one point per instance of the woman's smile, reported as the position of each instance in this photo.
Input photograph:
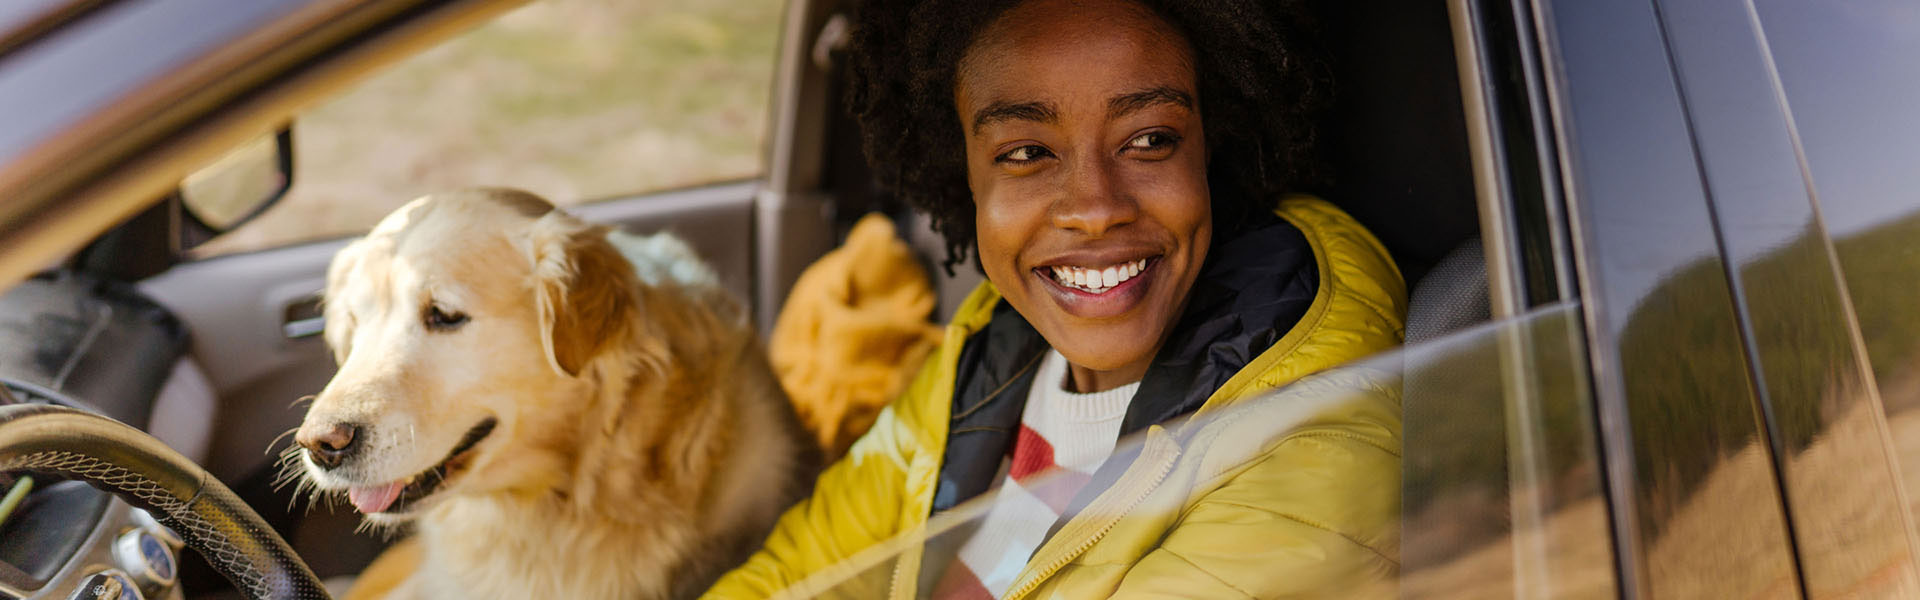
(1088, 168)
(1095, 292)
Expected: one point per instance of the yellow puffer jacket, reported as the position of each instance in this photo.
(1221, 506)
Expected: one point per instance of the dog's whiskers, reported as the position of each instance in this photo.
(297, 401)
(292, 471)
(386, 531)
(276, 441)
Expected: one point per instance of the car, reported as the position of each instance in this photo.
(1662, 256)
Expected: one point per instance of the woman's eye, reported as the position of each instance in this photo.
(1023, 154)
(1152, 140)
(439, 319)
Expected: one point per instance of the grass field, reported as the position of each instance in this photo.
(572, 99)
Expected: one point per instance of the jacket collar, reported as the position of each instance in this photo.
(1253, 289)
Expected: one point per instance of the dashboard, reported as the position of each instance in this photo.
(73, 340)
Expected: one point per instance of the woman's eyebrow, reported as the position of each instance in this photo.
(1040, 112)
(1125, 104)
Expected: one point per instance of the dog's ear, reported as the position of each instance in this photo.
(339, 321)
(584, 290)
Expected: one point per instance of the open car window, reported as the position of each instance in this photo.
(1500, 484)
(574, 100)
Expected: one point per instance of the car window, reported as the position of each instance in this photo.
(575, 100)
(1851, 85)
(1500, 478)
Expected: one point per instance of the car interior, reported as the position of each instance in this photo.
(207, 355)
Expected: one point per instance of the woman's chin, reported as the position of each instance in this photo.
(1110, 351)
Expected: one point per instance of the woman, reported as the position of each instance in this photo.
(1117, 166)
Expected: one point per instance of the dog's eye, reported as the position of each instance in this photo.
(438, 319)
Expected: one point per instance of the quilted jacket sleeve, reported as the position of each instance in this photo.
(1313, 514)
(856, 503)
(1240, 543)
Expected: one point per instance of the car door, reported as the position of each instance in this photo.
(1736, 418)
(1843, 80)
(650, 116)
(1743, 430)
(1695, 506)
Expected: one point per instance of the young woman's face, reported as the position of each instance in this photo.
(1088, 170)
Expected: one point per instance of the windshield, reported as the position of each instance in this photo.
(1500, 480)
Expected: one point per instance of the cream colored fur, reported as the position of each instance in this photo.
(643, 444)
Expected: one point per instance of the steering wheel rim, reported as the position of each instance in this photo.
(147, 474)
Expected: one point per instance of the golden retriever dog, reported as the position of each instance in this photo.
(556, 409)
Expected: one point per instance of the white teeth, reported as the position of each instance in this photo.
(1098, 280)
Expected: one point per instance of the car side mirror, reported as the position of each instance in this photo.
(236, 188)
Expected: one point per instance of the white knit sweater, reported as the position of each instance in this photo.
(1063, 438)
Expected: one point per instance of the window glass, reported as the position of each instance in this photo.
(1499, 483)
(575, 100)
(1852, 86)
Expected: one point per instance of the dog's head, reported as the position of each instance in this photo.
(458, 324)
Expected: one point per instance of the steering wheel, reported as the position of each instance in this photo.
(147, 474)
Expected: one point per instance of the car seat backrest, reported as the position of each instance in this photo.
(1452, 296)
(1453, 422)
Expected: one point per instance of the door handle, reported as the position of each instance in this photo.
(303, 318)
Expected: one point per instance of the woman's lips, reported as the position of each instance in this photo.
(1073, 288)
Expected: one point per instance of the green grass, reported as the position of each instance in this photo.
(1882, 268)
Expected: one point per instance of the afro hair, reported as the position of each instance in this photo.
(1263, 84)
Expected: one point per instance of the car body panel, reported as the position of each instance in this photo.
(1821, 406)
(1849, 81)
(1696, 507)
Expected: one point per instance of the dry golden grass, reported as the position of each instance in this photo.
(1852, 534)
(1727, 541)
(1582, 564)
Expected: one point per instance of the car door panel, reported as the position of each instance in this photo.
(1694, 501)
(234, 305)
(1848, 78)
(1819, 401)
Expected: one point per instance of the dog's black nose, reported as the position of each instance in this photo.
(328, 445)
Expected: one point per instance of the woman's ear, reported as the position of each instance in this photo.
(583, 289)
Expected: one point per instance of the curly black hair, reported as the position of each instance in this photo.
(1262, 77)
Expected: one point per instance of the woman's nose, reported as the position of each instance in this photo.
(1095, 200)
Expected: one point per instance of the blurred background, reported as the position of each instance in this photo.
(574, 100)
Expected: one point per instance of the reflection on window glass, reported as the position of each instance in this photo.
(1499, 481)
(575, 100)
(1853, 86)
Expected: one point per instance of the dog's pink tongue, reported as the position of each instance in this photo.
(375, 499)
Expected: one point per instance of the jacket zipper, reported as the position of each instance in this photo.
(899, 568)
(1160, 475)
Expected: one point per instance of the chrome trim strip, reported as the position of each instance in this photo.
(1493, 197)
(1616, 441)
